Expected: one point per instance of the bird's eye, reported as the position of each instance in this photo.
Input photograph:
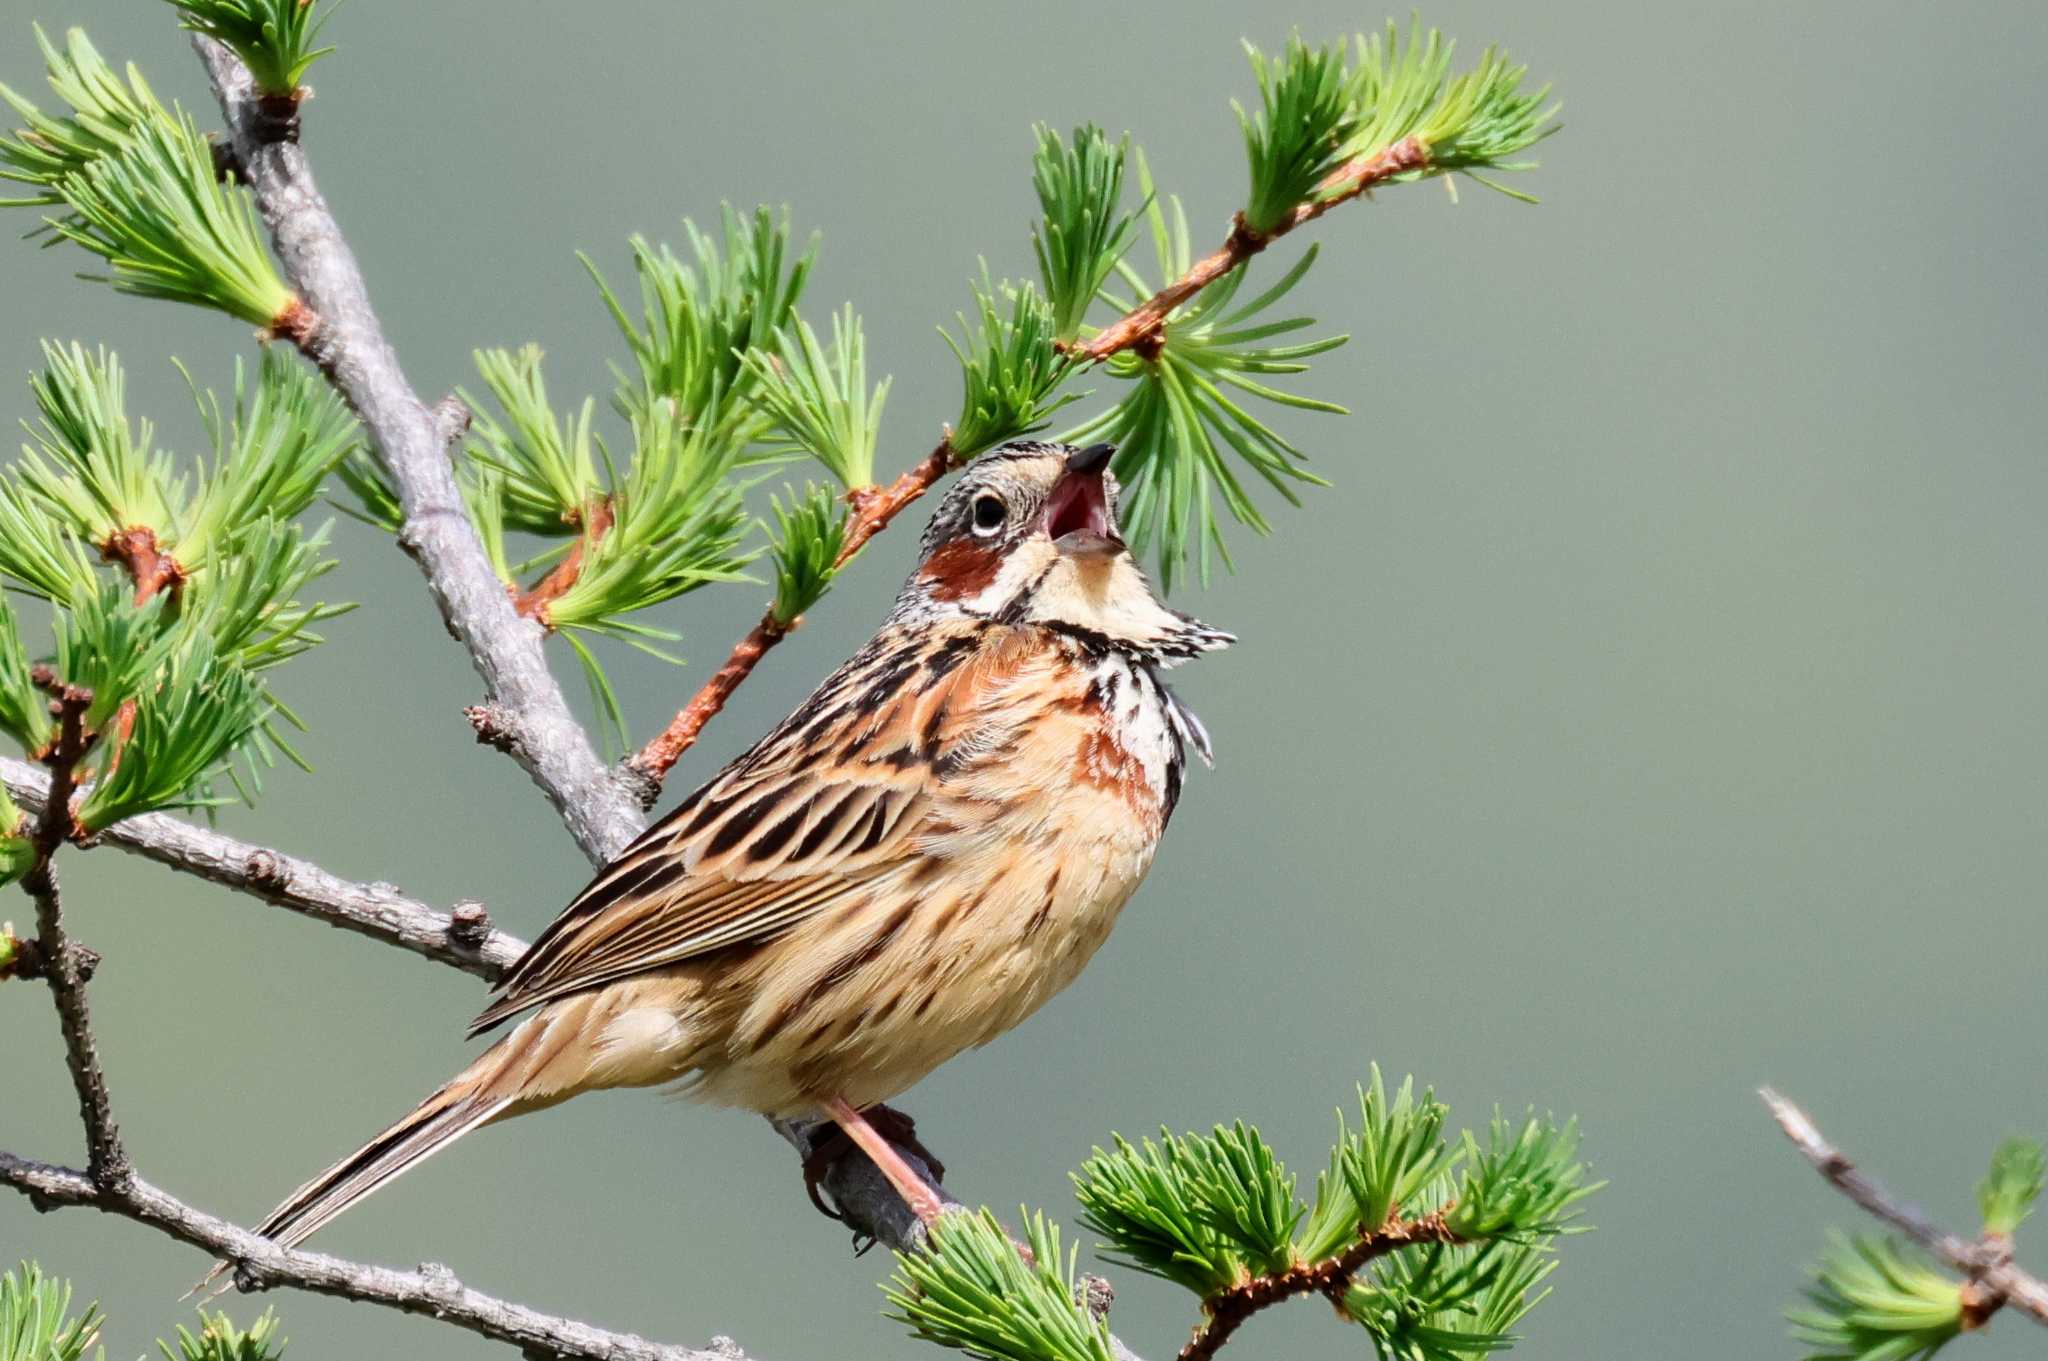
(989, 514)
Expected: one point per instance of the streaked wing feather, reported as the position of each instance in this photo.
(819, 808)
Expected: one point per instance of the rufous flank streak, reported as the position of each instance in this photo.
(873, 509)
(1348, 181)
(596, 522)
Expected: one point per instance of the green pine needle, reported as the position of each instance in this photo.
(1872, 1300)
(105, 112)
(274, 38)
(677, 526)
(807, 538)
(1305, 125)
(2007, 1194)
(157, 213)
(972, 1291)
(272, 452)
(1009, 367)
(1188, 405)
(17, 857)
(197, 713)
(35, 1322)
(1379, 1169)
(1521, 1183)
(24, 710)
(698, 320)
(1446, 1303)
(548, 464)
(819, 400)
(89, 467)
(1084, 231)
(1202, 1211)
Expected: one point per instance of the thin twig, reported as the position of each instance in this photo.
(1350, 181)
(1227, 1310)
(1983, 1261)
(58, 960)
(349, 345)
(872, 510)
(533, 602)
(261, 1265)
(379, 911)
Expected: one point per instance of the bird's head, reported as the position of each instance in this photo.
(1028, 535)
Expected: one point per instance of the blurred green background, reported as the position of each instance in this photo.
(1651, 709)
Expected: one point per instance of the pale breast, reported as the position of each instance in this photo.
(1045, 818)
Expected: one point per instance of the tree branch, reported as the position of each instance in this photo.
(379, 911)
(1142, 324)
(872, 510)
(59, 961)
(1330, 1278)
(349, 345)
(1984, 1261)
(262, 1265)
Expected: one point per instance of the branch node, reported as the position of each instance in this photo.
(267, 872)
(469, 925)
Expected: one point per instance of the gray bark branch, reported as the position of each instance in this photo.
(1979, 1261)
(260, 1264)
(533, 720)
(379, 911)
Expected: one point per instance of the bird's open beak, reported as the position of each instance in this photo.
(1077, 513)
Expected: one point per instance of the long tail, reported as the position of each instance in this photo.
(561, 1050)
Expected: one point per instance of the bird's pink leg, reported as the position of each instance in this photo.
(919, 1196)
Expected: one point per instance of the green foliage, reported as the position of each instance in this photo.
(807, 538)
(699, 321)
(1302, 132)
(1084, 231)
(1009, 367)
(1437, 1247)
(1468, 123)
(105, 112)
(179, 681)
(818, 399)
(1441, 1302)
(17, 857)
(157, 214)
(35, 1321)
(2007, 1194)
(218, 1339)
(1395, 1153)
(1185, 405)
(1318, 115)
(547, 464)
(1874, 1301)
(274, 38)
(1521, 1184)
(24, 711)
(973, 1291)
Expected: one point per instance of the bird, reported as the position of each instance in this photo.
(928, 848)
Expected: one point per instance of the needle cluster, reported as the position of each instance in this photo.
(1435, 1248)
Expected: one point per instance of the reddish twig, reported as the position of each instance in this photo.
(147, 565)
(1142, 323)
(1331, 1278)
(1992, 1278)
(872, 510)
(533, 602)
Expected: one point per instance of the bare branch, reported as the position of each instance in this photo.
(1142, 324)
(261, 1264)
(873, 509)
(61, 963)
(1985, 1261)
(376, 910)
(347, 342)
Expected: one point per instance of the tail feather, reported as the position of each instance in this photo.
(438, 1121)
